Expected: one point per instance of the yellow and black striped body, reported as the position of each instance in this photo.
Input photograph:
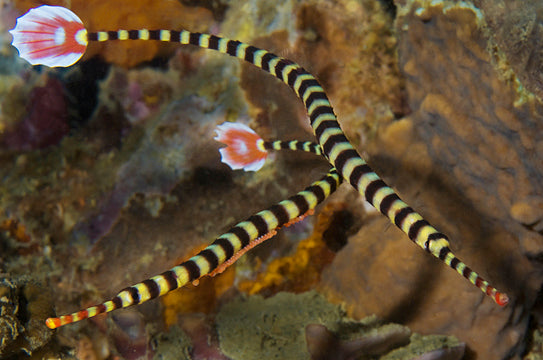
(307, 146)
(335, 147)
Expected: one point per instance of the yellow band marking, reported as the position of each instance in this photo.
(410, 220)
(143, 291)
(182, 275)
(102, 36)
(185, 37)
(380, 195)
(270, 219)
(126, 298)
(123, 35)
(315, 104)
(202, 264)
(321, 118)
(300, 79)
(291, 208)
(143, 34)
(240, 51)
(165, 35)
(365, 180)
(162, 284)
(310, 90)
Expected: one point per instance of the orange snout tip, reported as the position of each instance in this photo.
(501, 299)
(52, 323)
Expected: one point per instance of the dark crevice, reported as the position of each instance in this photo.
(389, 7)
(340, 228)
(217, 7)
(82, 86)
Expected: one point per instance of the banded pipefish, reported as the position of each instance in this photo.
(55, 36)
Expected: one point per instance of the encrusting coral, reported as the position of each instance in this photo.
(200, 298)
(304, 326)
(22, 304)
(301, 271)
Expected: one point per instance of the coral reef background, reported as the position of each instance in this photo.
(110, 175)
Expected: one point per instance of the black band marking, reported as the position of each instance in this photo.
(333, 140)
(154, 34)
(134, 294)
(118, 302)
(343, 157)
(467, 272)
(401, 215)
(357, 174)
(307, 83)
(444, 252)
(242, 235)
(171, 279)
(415, 228)
(175, 36)
(293, 75)
(315, 95)
(387, 202)
(194, 38)
(280, 214)
(333, 183)
(301, 203)
(192, 269)
(232, 47)
(455, 262)
(112, 35)
(250, 53)
(268, 56)
(211, 258)
(318, 191)
(260, 224)
(213, 42)
(372, 188)
(281, 64)
(226, 246)
(324, 125)
(152, 287)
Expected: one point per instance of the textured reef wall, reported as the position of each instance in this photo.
(515, 27)
(110, 175)
(469, 155)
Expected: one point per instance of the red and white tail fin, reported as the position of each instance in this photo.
(50, 35)
(244, 148)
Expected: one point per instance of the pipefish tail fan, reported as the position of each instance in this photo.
(246, 150)
(50, 35)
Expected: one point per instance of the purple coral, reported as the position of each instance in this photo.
(46, 121)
